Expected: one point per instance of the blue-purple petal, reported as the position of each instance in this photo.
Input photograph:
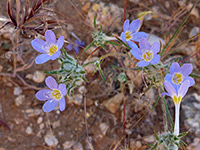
(76, 48)
(170, 89)
(126, 25)
(51, 82)
(123, 36)
(56, 55)
(49, 105)
(168, 77)
(135, 24)
(42, 58)
(62, 88)
(155, 59)
(186, 69)
(143, 63)
(139, 35)
(60, 42)
(69, 47)
(43, 95)
(144, 44)
(165, 93)
(174, 67)
(183, 88)
(50, 37)
(192, 82)
(38, 45)
(136, 52)
(62, 104)
(155, 47)
(132, 44)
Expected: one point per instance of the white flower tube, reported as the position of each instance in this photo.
(177, 118)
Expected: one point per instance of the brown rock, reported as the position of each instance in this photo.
(113, 104)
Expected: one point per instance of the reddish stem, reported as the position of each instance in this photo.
(125, 4)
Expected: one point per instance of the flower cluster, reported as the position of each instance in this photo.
(146, 53)
(177, 84)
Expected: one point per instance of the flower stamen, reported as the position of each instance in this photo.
(128, 35)
(52, 50)
(177, 78)
(147, 56)
(56, 94)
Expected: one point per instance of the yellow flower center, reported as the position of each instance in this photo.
(148, 55)
(177, 100)
(56, 94)
(52, 50)
(128, 35)
(177, 78)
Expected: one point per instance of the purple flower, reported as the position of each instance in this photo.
(146, 53)
(49, 49)
(77, 44)
(54, 95)
(179, 74)
(131, 34)
(177, 97)
(173, 93)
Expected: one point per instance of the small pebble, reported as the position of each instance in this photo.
(29, 130)
(50, 140)
(38, 77)
(194, 31)
(82, 90)
(104, 128)
(40, 119)
(17, 91)
(41, 126)
(19, 100)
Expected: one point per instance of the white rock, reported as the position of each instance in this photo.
(29, 76)
(154, 38)
(50, 140)
(38, 77)
(29, 130)
(104, 128)
(17, 91)
(194, 31)
(68, 144)
(40, 119)
(33, 112)
(19, 100)
(82, 90)
(41, 126)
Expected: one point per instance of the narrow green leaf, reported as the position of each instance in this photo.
(113, 43)
(156, 135)
(168, 114)
(102, 75)
(194, 75)
(95, 21)
(155, 103)
(53, 72)
(89, 46)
